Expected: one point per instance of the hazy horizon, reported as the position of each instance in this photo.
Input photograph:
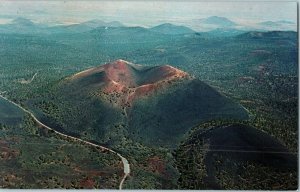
(147, 13)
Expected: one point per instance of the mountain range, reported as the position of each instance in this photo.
(278, 25)
(216, 25)
(223, 23)
(83, 27)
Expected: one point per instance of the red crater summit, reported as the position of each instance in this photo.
(149, 104)
(122, 82)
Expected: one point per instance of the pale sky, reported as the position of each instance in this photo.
(147, 13)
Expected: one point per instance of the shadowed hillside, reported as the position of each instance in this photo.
(153, 105)
(235, 156)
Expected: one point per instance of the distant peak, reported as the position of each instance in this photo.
(168, 28)
(216, 17)
(23, 21)
(167, 24)
(276, 22)
(95, 20)
(286, 22)
(99, 23)
(223, 21)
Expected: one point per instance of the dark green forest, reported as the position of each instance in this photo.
(256, 71)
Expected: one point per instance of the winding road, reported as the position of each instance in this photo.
(126, 166)
(33, 77)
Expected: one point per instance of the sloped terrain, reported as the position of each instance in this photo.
(168, 28)
(32, 157)
(257, 69)
(235, 156)
(153, 105)
(165, 116)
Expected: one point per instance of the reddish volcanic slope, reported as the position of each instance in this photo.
(122, 82)
(156, 105)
